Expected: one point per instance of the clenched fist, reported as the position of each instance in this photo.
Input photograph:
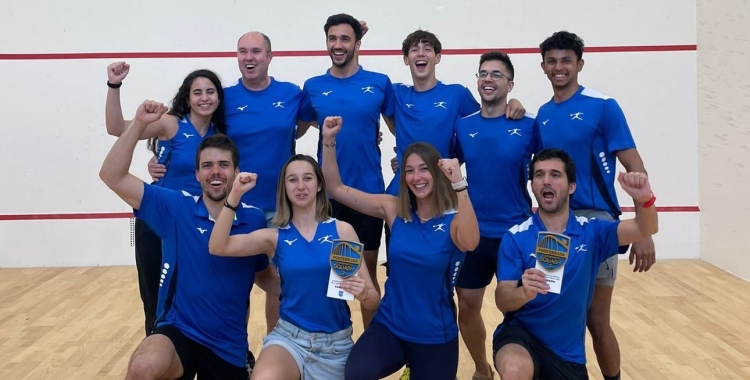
(150, 111)
(117, 71)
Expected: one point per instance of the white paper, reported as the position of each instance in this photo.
(554, 277)
(334, 291)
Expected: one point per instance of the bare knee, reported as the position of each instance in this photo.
(141, 367)
(513, 362)
(469, 304)
(598, 318)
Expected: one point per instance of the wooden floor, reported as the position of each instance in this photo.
(681, 320)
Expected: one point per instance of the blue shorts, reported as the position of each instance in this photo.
(480, 265)
(608, 269)
(318, 355)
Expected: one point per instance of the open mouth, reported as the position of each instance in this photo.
(250, 66)
(216, 183)
(548, 194)
(421, 63)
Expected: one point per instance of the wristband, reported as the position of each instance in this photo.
(233, 208)
(112, 85)
(460, 185)
(650, 202)
(331, 145)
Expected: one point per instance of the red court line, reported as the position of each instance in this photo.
(125, 215)
(322, 53)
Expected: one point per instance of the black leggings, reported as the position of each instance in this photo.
(378, 353)
(148, 264)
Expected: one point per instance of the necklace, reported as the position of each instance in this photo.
(421, 219)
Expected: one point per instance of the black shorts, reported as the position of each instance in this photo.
(198, 359)
(547, 364)
(480, 265)
(368, 229)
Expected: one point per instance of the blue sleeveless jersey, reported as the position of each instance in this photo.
(304, 268)
(424, 263)
(178, 155)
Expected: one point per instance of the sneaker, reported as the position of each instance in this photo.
(405, 375)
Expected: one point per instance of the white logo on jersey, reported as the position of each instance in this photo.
(545, 122)
(242, 108)
(438, 227)
(409, 105)
(324, 239)
(161, 151)
(164, 274)
(278, 104)
(581, 248)
(201, 230)
(473, 134)
(187, 136)
(456, 267)
(327, 92)
(367, 89)
(514, 131)
(576, 115)
(440, 104)
(532, 254)
(603, 156)
(290, 241)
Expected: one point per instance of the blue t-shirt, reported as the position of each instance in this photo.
(417, 305)
(428, 116)
(558, 320)
(360, 100)
(204, 296)
(178, 156)
(590, 127)
(304, 268)
(263, 125)
(497, 153)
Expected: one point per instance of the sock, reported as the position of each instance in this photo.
(615, 377)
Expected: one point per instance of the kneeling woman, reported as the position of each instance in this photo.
(432, 226)
(313, 337)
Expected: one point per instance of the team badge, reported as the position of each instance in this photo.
(552, 249)
(346, 257)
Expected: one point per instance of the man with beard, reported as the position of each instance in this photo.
(592, 128)
(360, 97)
(203, 330)
(489, 142)
(547, 271)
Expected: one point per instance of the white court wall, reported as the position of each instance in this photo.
(724, 125)
(54, 139)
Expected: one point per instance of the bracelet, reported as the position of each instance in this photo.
(460, 185)
(462, 189)
(112, 85)
(331, 145)
(233, 208)
(650, 202)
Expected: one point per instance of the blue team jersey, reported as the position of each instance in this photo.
(558, 320)
(590, 127)
(304, 268)
(497, 153)
(428, 116)
(417, 305)
(203, 295)
(263, 125)
(178, 156)
(360, 100)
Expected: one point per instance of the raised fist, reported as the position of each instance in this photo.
(244, 182)
(636, 185)
(331, 127)
(117, 71)
(150, 111)
(451, 168)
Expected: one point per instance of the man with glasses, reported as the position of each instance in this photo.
(496, 152)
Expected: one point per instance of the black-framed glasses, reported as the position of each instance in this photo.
(495, 75)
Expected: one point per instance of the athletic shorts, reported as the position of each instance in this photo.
(368, 229)
(479, 265)
(608, 269)
(547, 364)
(198, 359)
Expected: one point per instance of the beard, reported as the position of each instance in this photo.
(349, 56)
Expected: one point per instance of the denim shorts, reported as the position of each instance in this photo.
(318, 355)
